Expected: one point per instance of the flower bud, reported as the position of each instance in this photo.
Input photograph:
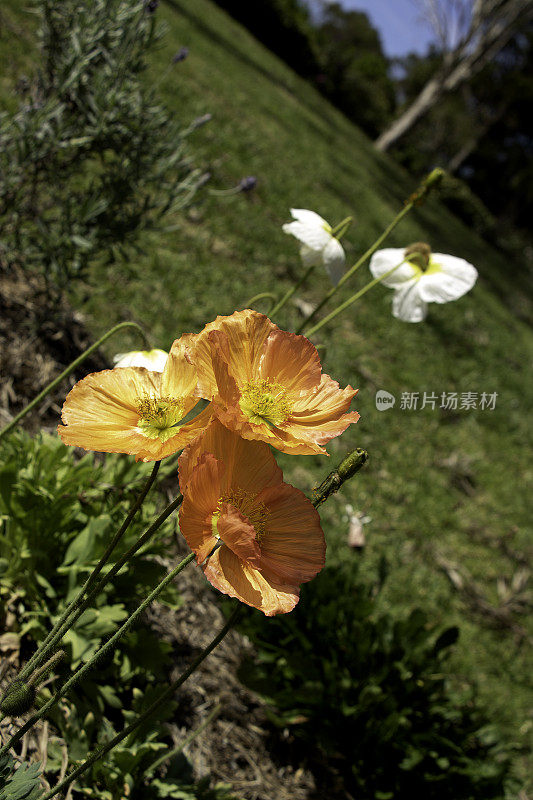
(434, 177)
(418, 254)
(181, 55)
(17, 698)
(352, 463)
(248, 184)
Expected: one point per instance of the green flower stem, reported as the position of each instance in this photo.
(287, 296)
(260, 296)
(188, 739)
(102, 652)
(349, 301)
(416, 198)
(64, 622)
(66, 372)
(101, 751)
(339, 230)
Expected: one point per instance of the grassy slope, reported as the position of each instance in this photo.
(269, 123)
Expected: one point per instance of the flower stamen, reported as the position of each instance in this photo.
(265, 402)
(158, 416)
(255, 511)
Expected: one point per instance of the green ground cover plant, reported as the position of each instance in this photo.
(57, 516)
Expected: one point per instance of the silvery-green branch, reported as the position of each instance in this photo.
(90, 157)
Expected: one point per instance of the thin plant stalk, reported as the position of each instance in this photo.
(260, 296)
(416, 198)
(66, 372)
(102, 652)
(188, 739)
(101, 751)
(339, 230)
(287, 296)
(349, 301)
(52, 638)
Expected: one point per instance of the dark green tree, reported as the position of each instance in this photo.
(284, 26)
(354, 70)
(482, 133)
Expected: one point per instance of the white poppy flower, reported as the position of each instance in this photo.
(319, 246)
(154, 360)
(421, 277)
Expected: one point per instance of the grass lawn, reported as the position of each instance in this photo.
(441, 487)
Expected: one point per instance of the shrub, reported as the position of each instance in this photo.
(366, 697)
(90, 158)
(57, 515)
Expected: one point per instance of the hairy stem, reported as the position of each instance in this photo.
(101, 751)
(66, 372)
(287, 296)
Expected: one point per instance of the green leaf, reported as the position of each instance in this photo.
(24, 784)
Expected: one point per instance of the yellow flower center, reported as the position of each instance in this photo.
(158, 416)
(265, 402)
(420, 258)
(256, 512)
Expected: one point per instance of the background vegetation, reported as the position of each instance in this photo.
(447, 492)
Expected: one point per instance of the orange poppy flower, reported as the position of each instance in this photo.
(135, 411)
(267, 533)
(268, 384)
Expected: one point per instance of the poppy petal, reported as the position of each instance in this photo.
(199, 505)
(238, 533)
(293, 548)
(250, 465)
(384, 260)
(291, 361)
(226, 572)
(407, 304)
(447, 278)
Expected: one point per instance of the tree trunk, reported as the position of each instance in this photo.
(425, 101)
(459, 67)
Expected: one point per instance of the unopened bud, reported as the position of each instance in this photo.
(430, 182)
(181, 55)
(18, 698)
(346, 469)
(352, 463)
(434, 177)
(248, 184)
(418, 254)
